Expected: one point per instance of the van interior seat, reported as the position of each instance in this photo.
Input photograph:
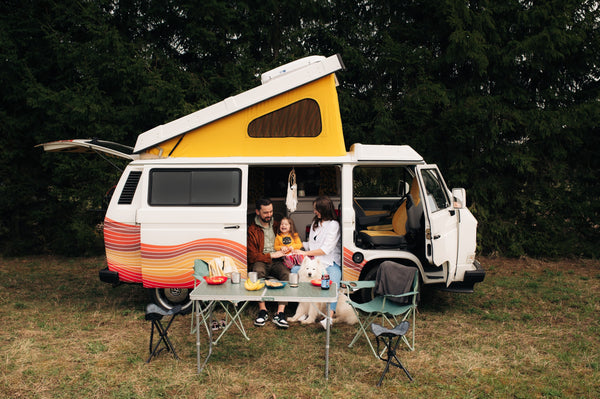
(371, 220)
(407, 218)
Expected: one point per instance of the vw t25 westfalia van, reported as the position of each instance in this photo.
(190, 188)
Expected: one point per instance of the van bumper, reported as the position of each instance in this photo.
(472, 277)
(108, 276)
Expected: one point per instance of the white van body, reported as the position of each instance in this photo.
(190, 188)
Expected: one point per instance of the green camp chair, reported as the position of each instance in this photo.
(381, 306)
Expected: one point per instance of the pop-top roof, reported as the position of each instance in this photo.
(275, 83)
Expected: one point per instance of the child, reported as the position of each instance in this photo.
(287, 240)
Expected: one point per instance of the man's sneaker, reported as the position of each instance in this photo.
(262, 317)
(280, 320)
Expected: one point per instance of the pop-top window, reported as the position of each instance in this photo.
(300, 119)
(195, 187)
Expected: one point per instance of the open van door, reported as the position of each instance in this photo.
(441, 220)
(96, 146)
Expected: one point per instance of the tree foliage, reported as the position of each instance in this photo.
(502, 95)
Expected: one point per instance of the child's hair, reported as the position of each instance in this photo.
(292, 226)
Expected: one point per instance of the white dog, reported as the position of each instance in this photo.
(308, 312)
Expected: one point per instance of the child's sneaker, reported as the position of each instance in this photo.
(262, 317)
(280, 320)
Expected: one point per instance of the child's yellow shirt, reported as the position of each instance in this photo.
(288, 241)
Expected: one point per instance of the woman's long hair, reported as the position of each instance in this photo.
(324, 206)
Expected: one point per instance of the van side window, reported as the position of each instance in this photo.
(300, 119)
(195, 187)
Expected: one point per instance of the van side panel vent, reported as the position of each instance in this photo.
(130, 186)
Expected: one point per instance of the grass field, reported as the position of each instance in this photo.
(531, 330)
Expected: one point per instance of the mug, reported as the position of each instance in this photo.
(235, 278)
(253, 276)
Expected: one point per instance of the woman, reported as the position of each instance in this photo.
(324, 242)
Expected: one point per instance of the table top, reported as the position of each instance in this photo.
(305, 292)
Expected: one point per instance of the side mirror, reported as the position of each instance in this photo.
(460, 198)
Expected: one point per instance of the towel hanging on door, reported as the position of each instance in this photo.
(291, 200)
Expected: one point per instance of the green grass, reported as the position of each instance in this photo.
(531, 330)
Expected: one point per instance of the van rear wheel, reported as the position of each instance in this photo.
(167, 298)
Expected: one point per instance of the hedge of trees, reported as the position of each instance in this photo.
(503, 95)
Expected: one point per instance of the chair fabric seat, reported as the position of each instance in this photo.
(381, 304)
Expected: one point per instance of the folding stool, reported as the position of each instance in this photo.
(387, 337)
(155, 313)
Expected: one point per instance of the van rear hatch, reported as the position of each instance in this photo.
(96, 146)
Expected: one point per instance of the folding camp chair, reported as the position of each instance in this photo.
(232, 312)
(155, 313)
(382, 306)
(387, 337)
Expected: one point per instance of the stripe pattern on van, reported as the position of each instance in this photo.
(122, 242)
(172, 265)
(351, 269)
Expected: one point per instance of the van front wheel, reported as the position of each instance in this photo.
(168, 298)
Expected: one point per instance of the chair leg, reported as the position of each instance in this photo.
(363, 331)
(164, 338)
(391, 356)
(408, 344)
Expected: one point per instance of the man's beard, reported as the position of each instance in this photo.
(265, 220)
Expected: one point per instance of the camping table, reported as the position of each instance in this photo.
(305, 292)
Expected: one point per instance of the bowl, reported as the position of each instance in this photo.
(316, 282)
(215, 280)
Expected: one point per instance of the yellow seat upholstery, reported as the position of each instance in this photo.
(393, 235)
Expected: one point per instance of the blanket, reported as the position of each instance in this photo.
(394, 279)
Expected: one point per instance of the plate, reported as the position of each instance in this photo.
(275, 284)
(316, 283)
(215, 280)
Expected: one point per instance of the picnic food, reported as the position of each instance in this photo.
(273, 284)
(250, 286)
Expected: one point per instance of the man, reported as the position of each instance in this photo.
(263, 259)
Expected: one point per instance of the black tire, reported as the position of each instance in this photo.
(365, 295)
(167, 298)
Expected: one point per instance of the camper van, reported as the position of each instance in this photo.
(190, 188)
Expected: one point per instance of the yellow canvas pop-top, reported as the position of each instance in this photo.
(294, 112)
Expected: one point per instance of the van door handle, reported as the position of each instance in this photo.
(435, 237)
(232, 227)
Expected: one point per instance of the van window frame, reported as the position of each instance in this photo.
(237, 194)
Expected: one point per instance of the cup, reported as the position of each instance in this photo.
(293, 280)
(235, 278)
(253, 276)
